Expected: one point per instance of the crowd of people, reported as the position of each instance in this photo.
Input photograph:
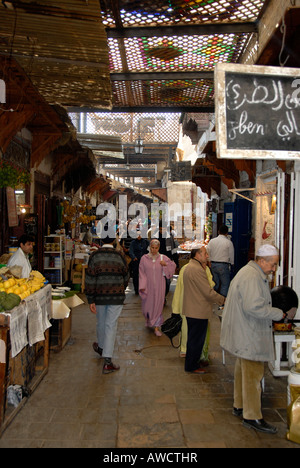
(206, 280)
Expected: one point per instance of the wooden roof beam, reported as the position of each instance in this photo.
(193, 30)
(12, 122)
(42, 146)
(171, 75)
(144, 109)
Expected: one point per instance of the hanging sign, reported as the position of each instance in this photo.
(181, 171)
(257, 112)
(13, 220)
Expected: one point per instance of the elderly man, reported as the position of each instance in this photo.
(247, 334)
(198, 299)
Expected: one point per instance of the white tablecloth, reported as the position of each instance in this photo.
(30, 320)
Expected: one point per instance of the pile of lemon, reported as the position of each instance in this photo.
(23, 287)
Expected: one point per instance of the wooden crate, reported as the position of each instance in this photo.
(60, 333)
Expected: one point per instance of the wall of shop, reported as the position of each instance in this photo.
(270, 20)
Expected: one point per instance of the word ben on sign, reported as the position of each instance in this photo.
(257, 112)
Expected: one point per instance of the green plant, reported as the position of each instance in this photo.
(12, 175)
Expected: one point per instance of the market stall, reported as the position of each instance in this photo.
(24, 351)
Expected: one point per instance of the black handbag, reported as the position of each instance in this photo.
(172, 327)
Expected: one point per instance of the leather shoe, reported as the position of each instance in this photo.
(238, 412)
(260, 425)
(97, 349)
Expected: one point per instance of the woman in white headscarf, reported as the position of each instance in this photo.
(154, 267)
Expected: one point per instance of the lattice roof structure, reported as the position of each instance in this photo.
(127, 55)
(162, 55)
(162, 58)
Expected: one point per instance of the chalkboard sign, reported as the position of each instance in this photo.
(257, 112)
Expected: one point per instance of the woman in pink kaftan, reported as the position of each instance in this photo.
(154, 267)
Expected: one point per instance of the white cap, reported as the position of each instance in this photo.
(267, 250)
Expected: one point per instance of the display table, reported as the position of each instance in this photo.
(281, 367)
(24, 348)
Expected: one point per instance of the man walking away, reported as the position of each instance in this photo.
(221, 256)
(106, 280)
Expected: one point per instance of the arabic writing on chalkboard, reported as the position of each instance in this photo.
(262, 112)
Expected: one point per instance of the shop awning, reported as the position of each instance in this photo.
(26, 108)
(109, 195)
(161, 194)
(74, 165)
(102, 145)
(210, 171)
(62, 46)
(99, 184)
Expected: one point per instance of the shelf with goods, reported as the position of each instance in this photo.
(54, 259)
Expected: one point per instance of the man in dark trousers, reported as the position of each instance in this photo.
(138, 248)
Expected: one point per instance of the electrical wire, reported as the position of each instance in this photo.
(283, 30)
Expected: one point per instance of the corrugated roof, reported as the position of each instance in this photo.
(62, 47)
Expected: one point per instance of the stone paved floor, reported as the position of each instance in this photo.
(150, 403)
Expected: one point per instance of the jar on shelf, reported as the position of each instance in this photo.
(13, 245)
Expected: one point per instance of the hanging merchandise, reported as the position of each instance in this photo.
(76, 214)
(59, 209)
(265, 227)
(13, 220)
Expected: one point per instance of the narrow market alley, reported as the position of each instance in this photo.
(150, 403)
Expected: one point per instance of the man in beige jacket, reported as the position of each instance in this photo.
(247, 333)
(198, 300)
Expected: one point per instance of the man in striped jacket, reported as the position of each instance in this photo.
(107, 277)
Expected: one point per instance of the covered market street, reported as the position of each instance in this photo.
(150, 403)
(131, 121)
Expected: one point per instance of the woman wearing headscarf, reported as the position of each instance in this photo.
(154, 268)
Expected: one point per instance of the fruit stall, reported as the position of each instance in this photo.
(34, 319)
(25, 312)
(26, 307)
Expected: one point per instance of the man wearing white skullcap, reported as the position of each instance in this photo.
(247, 333)
(267, 251)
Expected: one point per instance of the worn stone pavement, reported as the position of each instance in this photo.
(150, 403)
